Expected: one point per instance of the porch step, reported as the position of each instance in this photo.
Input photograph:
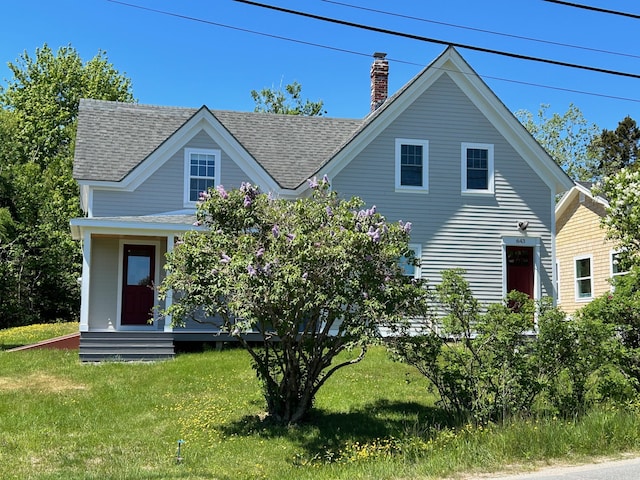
(125, 346)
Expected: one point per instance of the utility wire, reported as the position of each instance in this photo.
(368, 55)
(438, 41)
(595, 9)
(509, 35)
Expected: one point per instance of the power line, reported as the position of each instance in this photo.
(362, 54)
(595, 9)
(438, 41)
(465, 27)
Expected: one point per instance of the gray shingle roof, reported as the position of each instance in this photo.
(113, 138)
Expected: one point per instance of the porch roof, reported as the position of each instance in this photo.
(139, 224)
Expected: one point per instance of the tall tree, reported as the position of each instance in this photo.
(314, 276)
(565, 137)
(617, 149)
(287, 102)
(622, 218)
(39, 262)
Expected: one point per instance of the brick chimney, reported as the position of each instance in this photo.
(379, 80)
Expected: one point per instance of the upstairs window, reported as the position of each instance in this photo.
(412, 164)
(584, 278)
(202, 171)
(477, 168)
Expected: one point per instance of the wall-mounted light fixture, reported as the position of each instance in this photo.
(522, 225)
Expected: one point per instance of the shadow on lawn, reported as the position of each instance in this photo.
(324, 430)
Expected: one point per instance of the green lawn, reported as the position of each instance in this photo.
(65, 420)
(19, 336)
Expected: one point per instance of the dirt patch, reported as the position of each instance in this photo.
(39, 383)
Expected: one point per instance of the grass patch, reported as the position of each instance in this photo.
(19, 336)
(65, 420)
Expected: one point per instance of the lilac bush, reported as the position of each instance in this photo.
(312, 277)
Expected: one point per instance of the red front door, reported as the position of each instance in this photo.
(137, 284)
(520, 269)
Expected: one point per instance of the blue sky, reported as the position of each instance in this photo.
(181, 62)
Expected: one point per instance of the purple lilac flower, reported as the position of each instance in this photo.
(197, 223)
(224, 258)
(222, 192)
(305, 275)
(260, 252)
(325, 179)
(329, 211)
(290, 236)
(247, 201)
(374, 234)
(407, 227)
(204, 196)
(251, 270)
(313, 182)
(275, 230)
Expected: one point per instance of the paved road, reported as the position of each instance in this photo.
(628, 469)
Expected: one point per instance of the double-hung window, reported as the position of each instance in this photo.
(616, 267)
(409, 269)
(584, 278)
(477, 168)
(201, 172)
(412, 164)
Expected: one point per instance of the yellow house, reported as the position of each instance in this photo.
(585, 260)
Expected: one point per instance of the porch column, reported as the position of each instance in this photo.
(169, 298)
(86, 282)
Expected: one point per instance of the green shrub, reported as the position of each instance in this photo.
(497, 364)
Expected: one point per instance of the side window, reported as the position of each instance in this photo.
(409, 269)
(584, 278)
(412, 164)
(616, 267)
(201, 172)
(477, 168)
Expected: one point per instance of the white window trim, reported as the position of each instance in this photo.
(576, 278)
(612, 275)
(187, 170)
(490, 190)
(424, 188)
(417, 250)
(558, 297)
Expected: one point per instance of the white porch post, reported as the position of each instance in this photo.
(169, 298)
(86, 281)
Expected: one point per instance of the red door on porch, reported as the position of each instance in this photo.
(520, 269)
(137, 284)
